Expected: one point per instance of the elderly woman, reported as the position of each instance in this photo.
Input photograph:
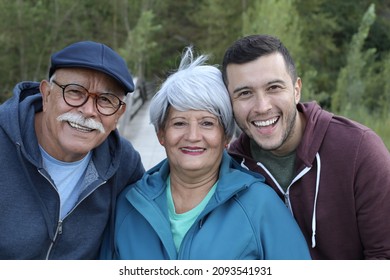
(197, 203)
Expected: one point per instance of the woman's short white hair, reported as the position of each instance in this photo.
(194, 86)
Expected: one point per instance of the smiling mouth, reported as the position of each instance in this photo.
(265, 123)
(198, 150)
(80, 127)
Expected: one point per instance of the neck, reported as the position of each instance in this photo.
(187, 194)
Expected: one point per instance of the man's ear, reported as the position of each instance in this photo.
(44, 88)
(121, 110)
(297, 90)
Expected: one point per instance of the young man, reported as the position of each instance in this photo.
(332, 173)
(63, 161)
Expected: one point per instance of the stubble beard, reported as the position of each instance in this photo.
(285, 137)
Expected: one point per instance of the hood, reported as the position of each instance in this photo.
(317, 122)
(16, 116)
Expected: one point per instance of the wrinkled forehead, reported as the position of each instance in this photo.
(89, 78)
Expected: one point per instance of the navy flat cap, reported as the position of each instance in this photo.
(96, 56)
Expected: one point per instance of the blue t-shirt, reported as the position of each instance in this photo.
(67, 177)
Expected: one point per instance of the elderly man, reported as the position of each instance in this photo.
(63, 161)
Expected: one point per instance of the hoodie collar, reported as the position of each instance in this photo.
(317, 122)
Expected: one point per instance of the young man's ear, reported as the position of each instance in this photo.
(297, 90)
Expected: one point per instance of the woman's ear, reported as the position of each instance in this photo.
(227, 141)
(160, 136)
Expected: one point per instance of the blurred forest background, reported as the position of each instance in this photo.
(341, 48)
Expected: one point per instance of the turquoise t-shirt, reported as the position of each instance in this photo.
(180, 223)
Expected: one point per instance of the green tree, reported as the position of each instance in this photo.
(177, 32)
(219, 24)
(385, 98)
(31, 30)
(140, 43)
(275, 17)
(350, 83)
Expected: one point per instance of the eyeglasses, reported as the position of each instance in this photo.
(75, 95)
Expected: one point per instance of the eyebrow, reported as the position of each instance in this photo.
(240, 89)
(276, 81)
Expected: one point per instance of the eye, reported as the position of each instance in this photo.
(104, 99)
(179, 123)
(74, 92)
(244, 94)
(275, 88)
(207, 123)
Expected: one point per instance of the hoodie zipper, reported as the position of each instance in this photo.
(60, 221)
(286, 193)
(200, 220)
(58, 232)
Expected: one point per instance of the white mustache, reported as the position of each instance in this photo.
(80, 120)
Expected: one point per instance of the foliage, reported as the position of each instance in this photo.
(217, 27)
(320, 59)
(350, 83)
(140, 43)
(276, 17)
(343, 60)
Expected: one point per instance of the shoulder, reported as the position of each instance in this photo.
(259, 191)
(129, 164)
(354, 134)
(252, 184)
(126, 146)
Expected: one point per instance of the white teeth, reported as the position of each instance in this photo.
(266, 123)
(192, 150)
(79, 127)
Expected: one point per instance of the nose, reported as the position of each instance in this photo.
(193, 132)
(89, 109)
(262, 103)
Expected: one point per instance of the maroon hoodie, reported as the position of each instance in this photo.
(340, 195)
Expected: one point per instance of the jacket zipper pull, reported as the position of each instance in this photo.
(60, 227)
(286, 200)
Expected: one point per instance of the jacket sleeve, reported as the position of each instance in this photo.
(372, 196)
(280, 235)
(106, 250)
(132, 168)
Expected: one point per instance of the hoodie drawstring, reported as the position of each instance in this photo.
(243, 164)
(313, 221)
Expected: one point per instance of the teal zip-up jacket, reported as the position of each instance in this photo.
(244, 219)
